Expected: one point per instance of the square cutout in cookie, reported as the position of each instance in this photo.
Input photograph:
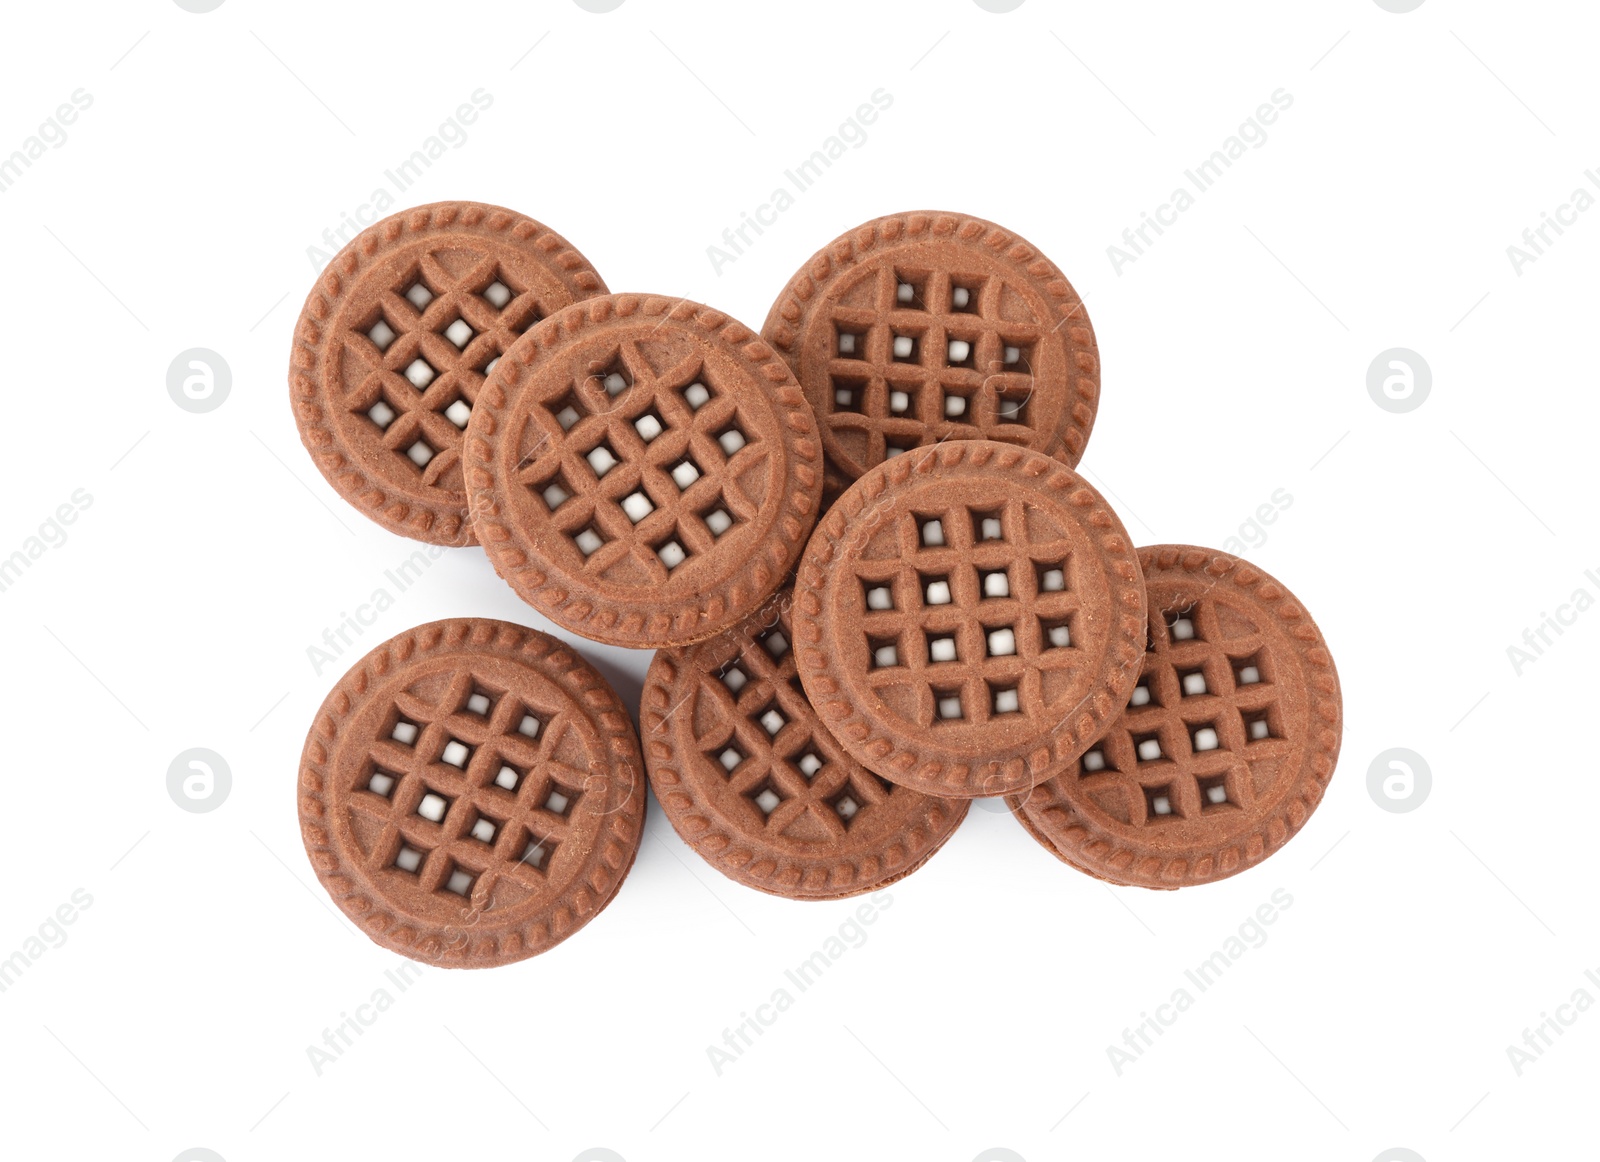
(1050, 576)
(849, 395)
(1193, 683)
(460, 333)
(877, 595)
(731, 439)
(1093, 760)
(419, 373)
(484, 829)
(961, 350)
(1214, 792)
(649, 426)
(685, 472)
(729, 757)
(1181, 626)
(765, 796)
(1142, 695)
(409, 859)
(1258, 727)
(906, 347)
(559, 800)
(993, 584)
(935, 589)
(433, 807)
(696, 395)
(770, 719)
(636, 506)
(479, 702)
(460, 881)
(421, 453)
(775, 643)
(381, 414)
(910, 290)
(884, 652)
(497, 294)
(602, 458)
(808, 762)
(734, 678)
(845, 806)
(459, 412)
(1001, 642)
(671, 553)
(988, 524)
(1016, 355)
(419, 295)
(957, 405)
(567, 411)
(964, 295)
(538, 853)
(718, 519)
(456, 753)
(1011, 405)
(1248, 671)
(1147, 747)
(1004, 699)
(942, 648)
(930, 532)
(1055, 633)
(947, 705)
(381, 334)
(849, 343)
(529, 727)
(588, 540)
(1204, 737)
(1159, 802)
(614, 380)
(381, 782)
(508, 777)
(554, 492)
(404, 732)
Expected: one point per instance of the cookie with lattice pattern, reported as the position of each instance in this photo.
(753, 781)
(1227, 741)
(968, 618)
(643, 470)
(918, 328)
(395, 340)
(471, 793)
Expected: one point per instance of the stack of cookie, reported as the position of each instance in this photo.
(876, 586)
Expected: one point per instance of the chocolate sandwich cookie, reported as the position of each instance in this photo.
(393, 344)
(643, 470)
(969, 618)
(918, 328)
(753, 781)
(1227, 742)
(471, 793)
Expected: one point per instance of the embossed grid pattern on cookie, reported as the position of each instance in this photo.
(1205, 708)
(796, 769)
(917, 369)
(649, 472)
(475, 797)
(965, 652)
(427, 353)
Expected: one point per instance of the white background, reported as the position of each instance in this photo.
(178, 612)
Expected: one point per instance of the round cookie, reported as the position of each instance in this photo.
(471, 793)
(752, 780)
(394, 341)
(918, 328)
(968, 618)
(1226, 745)
(643, 470)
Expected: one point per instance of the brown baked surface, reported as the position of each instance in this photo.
(457, 252)
(834, 828)
(1045, 398)
(1065, 563)
(546, 419)
(563, 835)
(1200, 812)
